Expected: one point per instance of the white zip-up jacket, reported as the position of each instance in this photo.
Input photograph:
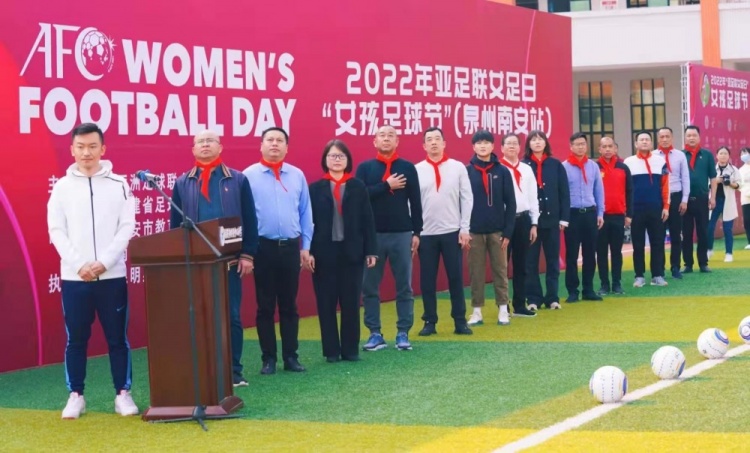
(91, 219)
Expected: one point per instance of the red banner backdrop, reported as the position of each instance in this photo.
(718, 105)
(152, 75)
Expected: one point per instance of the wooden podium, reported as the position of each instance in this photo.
(170, 351)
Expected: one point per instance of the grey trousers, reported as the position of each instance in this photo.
(395, 247)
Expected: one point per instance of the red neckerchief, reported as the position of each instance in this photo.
(435, 166)
(666, 152)
(648, 166)
(205, 175)
(538, 168)
(693, 150)
(514, 169)
(608, 167)
(485, 177)
(276, 168)
(387, 161)
(573, 160)
(337, 188)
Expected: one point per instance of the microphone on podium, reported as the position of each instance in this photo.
(144, 176)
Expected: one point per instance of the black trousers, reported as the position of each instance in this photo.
(338, 284)
(609, 242)
(581, 235)
(430, 250)
(518, 252)
(746, 220)
(648, 221)
(277, 267)
(674, 223)
(549, 239)
(695, 220)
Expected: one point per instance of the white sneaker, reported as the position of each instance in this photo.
(747, 247)
(555, 306)
(503, 318)
(532, 307)
(475, 319)
(710, 253)
(658, 281)
(639, 282)
(124, 404)
(75, 407)
(728, 258)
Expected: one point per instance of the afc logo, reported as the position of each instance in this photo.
(93, 50)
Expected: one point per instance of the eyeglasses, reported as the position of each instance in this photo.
(207, 141)
(336, 156)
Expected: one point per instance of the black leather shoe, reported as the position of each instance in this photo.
(333, 359)
(676, 273)
(705, 270)
(592, 296)
(269, 367)
(572, 298)
(293, 364)
(428, 329)
(350, 358)
(463, 329)
(687, 270)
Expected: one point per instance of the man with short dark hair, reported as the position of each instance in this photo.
(651, 209)
(211, 190)
(618, 213)
(702, 169)
(586, 218)
(446, 203)
(679, 190)
(285, 227)
(491, 226)
(91, 218)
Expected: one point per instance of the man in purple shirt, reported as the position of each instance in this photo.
(586, 217)
(679, 192)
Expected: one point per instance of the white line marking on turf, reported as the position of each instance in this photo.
(598, 411)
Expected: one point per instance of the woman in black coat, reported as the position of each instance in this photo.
(554, 214)
(343, 242)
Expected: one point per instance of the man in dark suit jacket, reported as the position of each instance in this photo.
(343, 241)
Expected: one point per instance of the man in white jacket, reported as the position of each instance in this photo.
(91, 217)
(447, 201)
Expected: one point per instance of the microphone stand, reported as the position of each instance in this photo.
(199, 412)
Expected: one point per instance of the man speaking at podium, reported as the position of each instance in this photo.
(211, 190)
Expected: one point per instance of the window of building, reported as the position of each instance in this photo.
(647, 106)
(596, 116)
(531, 4)
(645, 3)
(565, 6)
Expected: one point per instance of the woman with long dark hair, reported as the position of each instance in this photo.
(554, 215)
(728, 178)
(343, 242)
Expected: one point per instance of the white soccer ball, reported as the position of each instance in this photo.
(608, 384)
(744, 330)
(668, 362)
(713, 343)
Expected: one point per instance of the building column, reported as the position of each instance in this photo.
(710, 33)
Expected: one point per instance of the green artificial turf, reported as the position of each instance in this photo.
(440, 383)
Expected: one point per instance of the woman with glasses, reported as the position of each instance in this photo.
(343, 243)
